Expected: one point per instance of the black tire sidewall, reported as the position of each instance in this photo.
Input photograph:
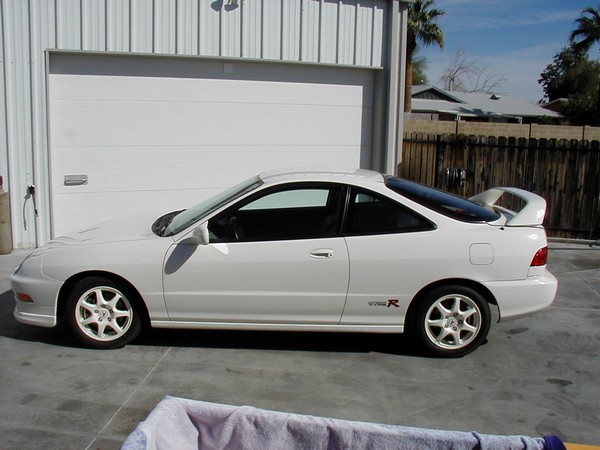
(418, 325)
(85, 285)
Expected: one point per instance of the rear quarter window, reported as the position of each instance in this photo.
(450, 205)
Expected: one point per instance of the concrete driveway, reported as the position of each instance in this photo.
(535, 376)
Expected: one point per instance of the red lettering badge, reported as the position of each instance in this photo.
(393, 303)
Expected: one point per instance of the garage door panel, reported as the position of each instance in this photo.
(189, 168)
(129, 91)
(162, 143)
(80, 113)
(216, 126)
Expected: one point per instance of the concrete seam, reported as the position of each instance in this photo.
(128, 398)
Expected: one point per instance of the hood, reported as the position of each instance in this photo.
(126, 229)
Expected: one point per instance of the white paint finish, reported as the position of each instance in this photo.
(68, 24)
(364, 32)
(209, 29)
(165, 142)
(380, 11)
(165, 20)
(43, 32)
(481, 254)
(231, 19)
(329, 36)
(118, 22)
(291, 41)
(271, 29)
(251, 33)
(19, 122)
(264, 282)
(142, 28)
(187, 27)
(346, 34)
(310, 32)
(93, 22)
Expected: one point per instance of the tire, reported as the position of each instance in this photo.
(451, 321)
(103, 315)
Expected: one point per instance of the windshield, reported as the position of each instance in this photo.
(186, 218)
(442, 202)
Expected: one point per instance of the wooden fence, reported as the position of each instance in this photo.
(565, 172)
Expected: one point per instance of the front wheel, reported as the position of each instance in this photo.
(102, 314)
(452, 321)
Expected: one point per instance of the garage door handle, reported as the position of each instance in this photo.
(75, 180)
(322, 253)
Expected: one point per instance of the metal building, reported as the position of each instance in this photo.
(114, 107)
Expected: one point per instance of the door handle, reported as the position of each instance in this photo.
(322, 253)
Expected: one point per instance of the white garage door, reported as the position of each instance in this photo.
(139, 134)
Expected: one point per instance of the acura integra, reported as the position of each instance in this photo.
(301, 251)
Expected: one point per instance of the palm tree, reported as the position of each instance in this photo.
(587, 31)
(422, 29)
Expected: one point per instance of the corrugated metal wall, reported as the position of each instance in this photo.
(321, 31)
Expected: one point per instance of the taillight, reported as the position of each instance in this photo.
(540, 258)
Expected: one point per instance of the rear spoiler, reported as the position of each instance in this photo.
(531, 214)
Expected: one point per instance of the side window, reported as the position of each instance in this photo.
(298, 198)
(371, 213)
(293, 212)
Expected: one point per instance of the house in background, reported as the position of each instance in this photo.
(433, 103)
(556, 105)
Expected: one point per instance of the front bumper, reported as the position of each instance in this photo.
(28, 280)
(523, 297)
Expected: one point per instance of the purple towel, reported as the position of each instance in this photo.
(181, 424)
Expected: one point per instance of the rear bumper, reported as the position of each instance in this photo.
(523, 297)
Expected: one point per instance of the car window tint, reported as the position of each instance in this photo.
(371, 213)
(442, 202)
(295, 212)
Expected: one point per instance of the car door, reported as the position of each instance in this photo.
(386, 243)
(276, 257)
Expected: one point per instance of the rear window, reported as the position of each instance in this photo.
(442, 202)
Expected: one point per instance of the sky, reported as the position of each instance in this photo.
(517, 38)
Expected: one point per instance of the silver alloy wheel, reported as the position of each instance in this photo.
(453, 321)
(103, 313)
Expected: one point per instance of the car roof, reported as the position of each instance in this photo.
(320, 174)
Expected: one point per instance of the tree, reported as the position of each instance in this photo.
(470, 74)
(564, 76)
(423, 30)
(588, 30)
(582, 38)
(576, 78)
(418, 71)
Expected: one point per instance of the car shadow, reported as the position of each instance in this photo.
(397, 344)
(282, 341)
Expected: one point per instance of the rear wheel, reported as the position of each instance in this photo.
(452, 321)
(102, 314)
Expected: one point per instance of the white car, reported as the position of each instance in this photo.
(300, 251)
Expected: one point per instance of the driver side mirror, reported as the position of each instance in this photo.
(200, 235)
